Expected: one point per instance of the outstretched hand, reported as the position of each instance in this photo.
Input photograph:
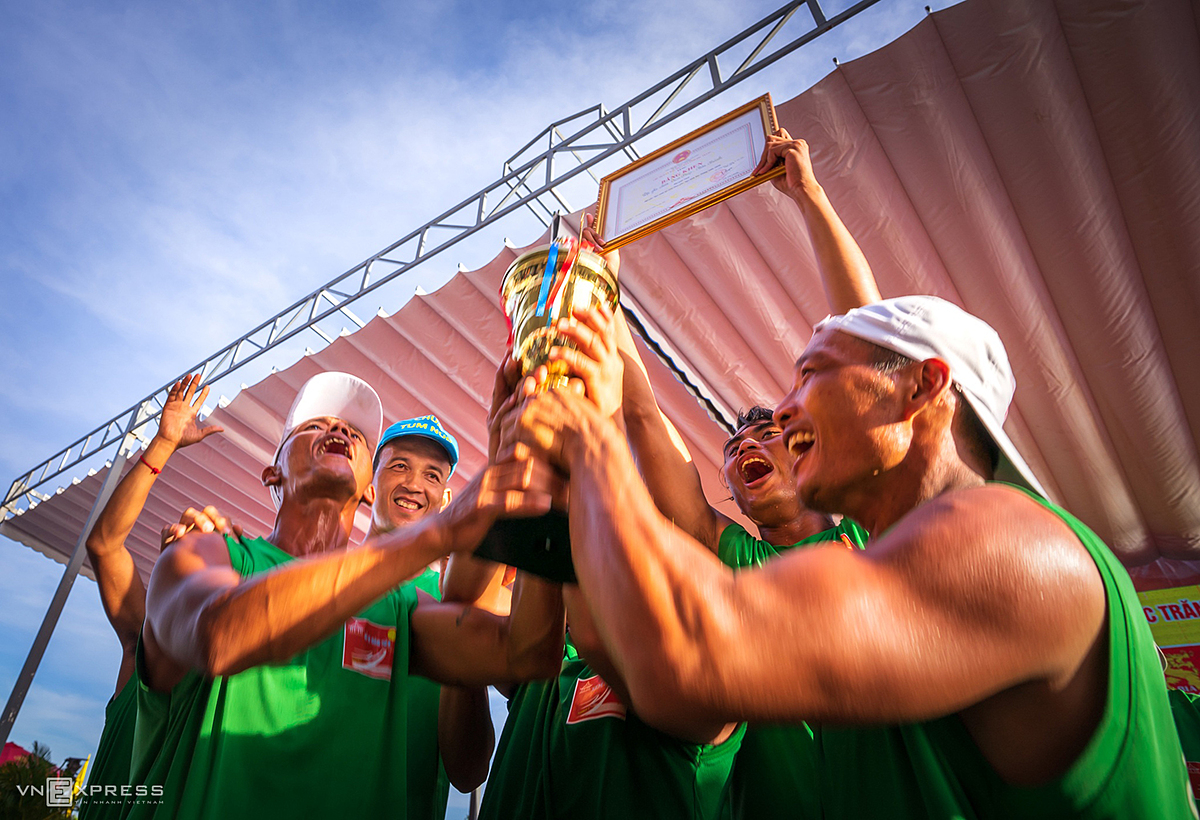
(207, 520)
(552, 427)
(177, 425)
(596, 360)
(514, 488)
(508, 388)
(799, 179)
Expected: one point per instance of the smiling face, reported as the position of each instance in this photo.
(843, 422)
(758, 472)
(410, 481)
(323, 456)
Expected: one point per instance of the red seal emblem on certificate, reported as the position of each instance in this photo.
(681, 156)
(368, 648)
(594, 699)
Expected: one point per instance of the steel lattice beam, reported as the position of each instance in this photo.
(530, 182)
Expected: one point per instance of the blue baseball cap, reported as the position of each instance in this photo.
(426, 426)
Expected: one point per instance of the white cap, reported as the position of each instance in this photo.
(926, 327)
(338, 395)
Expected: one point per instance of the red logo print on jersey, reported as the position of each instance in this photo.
(594, 699)
(369, 648)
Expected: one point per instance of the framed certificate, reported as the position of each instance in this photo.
(707, 166)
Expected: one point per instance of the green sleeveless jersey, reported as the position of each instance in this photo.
(110, 766)
(570, 749)
(428, 786)
(322, 734)
(739, 549)
(1185, 709)
(776, 770)
(1131, 768)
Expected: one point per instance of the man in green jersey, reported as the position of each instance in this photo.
(273, 671)
(1186, 711)
(572, 748)
(553, 747)
(985, 657)
(450, 736)
(123, 595)
(774, 771)
(774, 774)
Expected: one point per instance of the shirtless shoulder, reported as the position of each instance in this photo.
(1021, 565)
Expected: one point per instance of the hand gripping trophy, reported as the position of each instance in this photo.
(542, 286)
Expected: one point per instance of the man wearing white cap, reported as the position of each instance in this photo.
(984, 657)
(272, 670)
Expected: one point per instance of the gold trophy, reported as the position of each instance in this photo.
(545, 285)
(542, 286)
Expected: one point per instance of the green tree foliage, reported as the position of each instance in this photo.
(18, 781)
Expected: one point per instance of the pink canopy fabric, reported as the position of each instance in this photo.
(1033, 161)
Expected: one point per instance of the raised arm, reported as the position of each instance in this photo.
(121, 591)
(945, 610)
(201, 614)
(662, 457)
(848, 280)
(458, 642)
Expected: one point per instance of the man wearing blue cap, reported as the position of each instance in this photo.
(450, 734)
(417, 457)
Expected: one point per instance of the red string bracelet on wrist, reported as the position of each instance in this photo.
(154, 470)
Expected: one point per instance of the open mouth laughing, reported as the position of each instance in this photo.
(753, 468)
(800, 442)
(334, 445)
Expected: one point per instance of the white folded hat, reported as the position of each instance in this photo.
(926, 327)
(337, 395)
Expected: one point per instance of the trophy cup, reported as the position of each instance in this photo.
(707, 166)
(542, 286)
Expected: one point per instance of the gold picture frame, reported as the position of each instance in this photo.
(686, 176)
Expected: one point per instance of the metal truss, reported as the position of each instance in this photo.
(531, 178)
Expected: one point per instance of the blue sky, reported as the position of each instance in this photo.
(173, 174)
